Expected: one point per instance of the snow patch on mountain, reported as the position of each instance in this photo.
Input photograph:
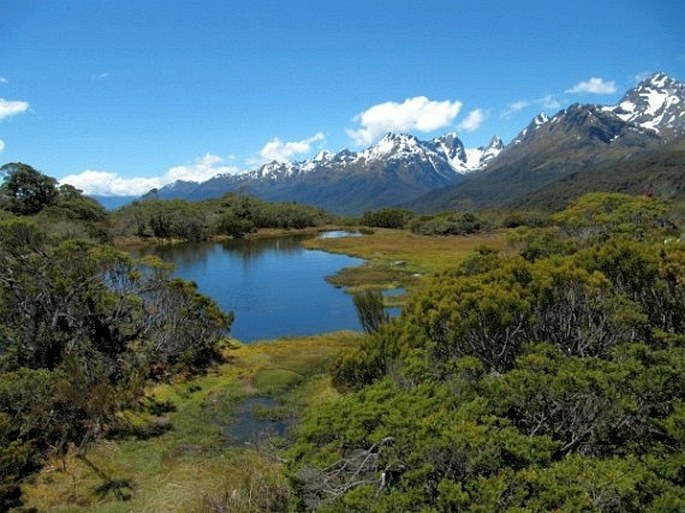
(656, 104)
(538, 121)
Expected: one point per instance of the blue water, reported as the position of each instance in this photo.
(275, 287)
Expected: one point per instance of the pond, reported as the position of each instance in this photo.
(274, 286)
(253, 421)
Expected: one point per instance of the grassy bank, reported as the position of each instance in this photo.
(177, 456)
(399, 258)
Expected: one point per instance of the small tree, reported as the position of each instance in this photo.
(370, 309)
(26, 191)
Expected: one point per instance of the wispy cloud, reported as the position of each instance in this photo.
(417, 113)
(3, 80)
(517, 106)
(595, 85)
(548, 102)
(10, 108)
(96, 77)
(108, 183)
(473, 120)
(2, 145)
(281, 151)
(640, 77)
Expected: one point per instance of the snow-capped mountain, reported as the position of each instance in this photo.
(396, 168)
(445, 155)
(537, 122)
(657, 104)
(401, 169)
(577, 138)
(656, 107)
(582, 135)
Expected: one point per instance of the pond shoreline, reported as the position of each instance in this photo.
(274, 285)
(132, 241)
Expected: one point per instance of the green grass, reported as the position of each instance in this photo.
(399, 258)
(191, 468)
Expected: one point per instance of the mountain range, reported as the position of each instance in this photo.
(441, 174)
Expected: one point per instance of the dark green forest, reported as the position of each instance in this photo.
(547, 377)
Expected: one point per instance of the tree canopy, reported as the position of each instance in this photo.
(25, 190)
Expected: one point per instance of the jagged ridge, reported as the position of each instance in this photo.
(397, 168)
(400, 168)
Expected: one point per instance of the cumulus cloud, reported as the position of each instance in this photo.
(594, 86)
(417, 113)
(106, 183)
(202, 169)
(285, 151)
(12, 108)
(472, 121)
(2, 145)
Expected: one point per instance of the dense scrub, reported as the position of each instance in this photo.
(449, 223)
(386, 218)
(83, 328)
(234, 214)
(551, 380)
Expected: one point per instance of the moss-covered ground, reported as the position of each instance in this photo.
(177, 458)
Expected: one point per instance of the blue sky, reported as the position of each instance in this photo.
(119, 96)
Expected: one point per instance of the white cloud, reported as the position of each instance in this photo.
(548, 102)
(12, 108)
(641, 77)
(99, 76)
(595, 86)
(473, 120)
(285, 151)
(111, 184)
(106, 183)
(3, 80)
(418, 113)
(2, 145)
(202, 169)
(517, 106)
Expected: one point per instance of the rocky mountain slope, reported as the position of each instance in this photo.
(578, 138)
(397, 168)
(441, 174)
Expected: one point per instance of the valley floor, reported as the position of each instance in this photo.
(195, 445)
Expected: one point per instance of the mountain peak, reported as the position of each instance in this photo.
(656, 104)
(391, 144)
(658, 79)
(495, 143)
(397, 137)
(540, 119)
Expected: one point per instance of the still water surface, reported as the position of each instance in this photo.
(275, 286)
